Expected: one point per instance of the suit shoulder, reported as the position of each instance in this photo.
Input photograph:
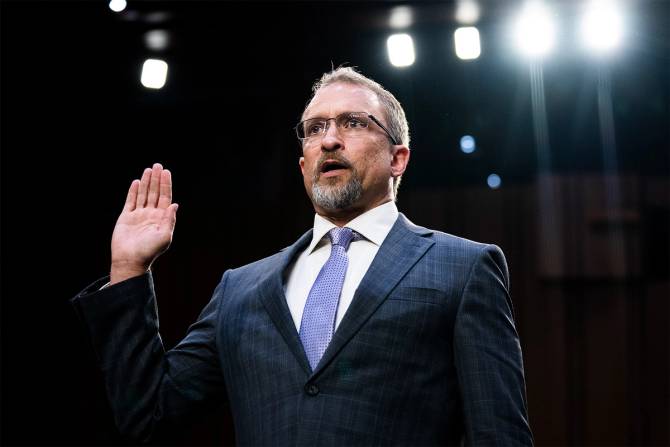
(452, 245)
(464, 250)
(459, 243)
(255, 268)
(256, 271)
(444, 239)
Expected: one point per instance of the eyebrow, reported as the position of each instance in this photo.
(341, 113)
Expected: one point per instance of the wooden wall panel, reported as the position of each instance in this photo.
(590, 285)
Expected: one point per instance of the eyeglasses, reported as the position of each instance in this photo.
(351, 124)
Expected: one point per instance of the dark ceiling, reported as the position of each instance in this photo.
(71, 70)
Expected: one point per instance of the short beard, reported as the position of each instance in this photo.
(337, 197)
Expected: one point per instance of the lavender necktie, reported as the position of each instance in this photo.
(318, 317)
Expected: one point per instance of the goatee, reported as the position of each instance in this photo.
(337, 196)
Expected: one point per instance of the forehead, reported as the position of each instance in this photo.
(340, 97)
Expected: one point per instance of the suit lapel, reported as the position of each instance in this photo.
(272, 296)
(402, 248)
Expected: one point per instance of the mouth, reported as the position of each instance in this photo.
(331, 168)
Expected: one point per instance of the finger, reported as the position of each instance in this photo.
(152, 200)
(170, 217)
(165, 197)
(142, 190)
(131, 198)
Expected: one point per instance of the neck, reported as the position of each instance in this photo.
(341, 217)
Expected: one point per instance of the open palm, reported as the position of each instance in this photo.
(144, 229)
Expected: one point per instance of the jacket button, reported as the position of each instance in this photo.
(311, 389)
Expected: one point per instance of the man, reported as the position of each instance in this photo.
(368, 330)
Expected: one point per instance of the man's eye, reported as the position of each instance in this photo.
(354, 123)
(313, 129)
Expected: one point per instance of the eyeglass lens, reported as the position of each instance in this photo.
(348, 122)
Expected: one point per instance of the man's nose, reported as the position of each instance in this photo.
(331, 140)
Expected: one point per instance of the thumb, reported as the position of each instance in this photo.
(171, 215)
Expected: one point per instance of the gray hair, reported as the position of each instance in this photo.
(395, 115)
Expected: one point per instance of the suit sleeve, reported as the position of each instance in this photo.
(148, 389)
(488, 357)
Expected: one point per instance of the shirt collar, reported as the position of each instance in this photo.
(373, 224)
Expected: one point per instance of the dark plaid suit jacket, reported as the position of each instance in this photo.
(427, 353)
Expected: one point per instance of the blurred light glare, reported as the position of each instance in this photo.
(401, 50)
(154, 73)
(401, 17)
(466, 41)
(157, 16)
(117, 5)
(602, 26)
(494, 181)
(468, 144)
(156, 40)
(467, 12)
(535, 30)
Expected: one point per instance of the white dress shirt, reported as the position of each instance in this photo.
(374, 225)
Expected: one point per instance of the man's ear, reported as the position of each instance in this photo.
(400, 160)
(301, 162)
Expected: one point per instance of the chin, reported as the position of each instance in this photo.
(336, 198)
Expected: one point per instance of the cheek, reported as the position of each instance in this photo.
(307, 168)
(378, 161)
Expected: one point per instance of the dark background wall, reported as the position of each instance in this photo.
(582, 213)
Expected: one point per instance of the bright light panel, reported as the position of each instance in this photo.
(117, 5)
(535, 30)
(401, 50)
(602, 26)
(494, 181)
(156, 39)
(466, 41)
(467, 12)
(401, 17)
(154, 73)
(468, 144)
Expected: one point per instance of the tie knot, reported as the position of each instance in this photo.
(341, 236)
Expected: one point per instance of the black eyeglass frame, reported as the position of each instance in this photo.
(370, 116)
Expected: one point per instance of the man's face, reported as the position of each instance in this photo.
(344, 173)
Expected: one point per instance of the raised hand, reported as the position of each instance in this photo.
(144, 229)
